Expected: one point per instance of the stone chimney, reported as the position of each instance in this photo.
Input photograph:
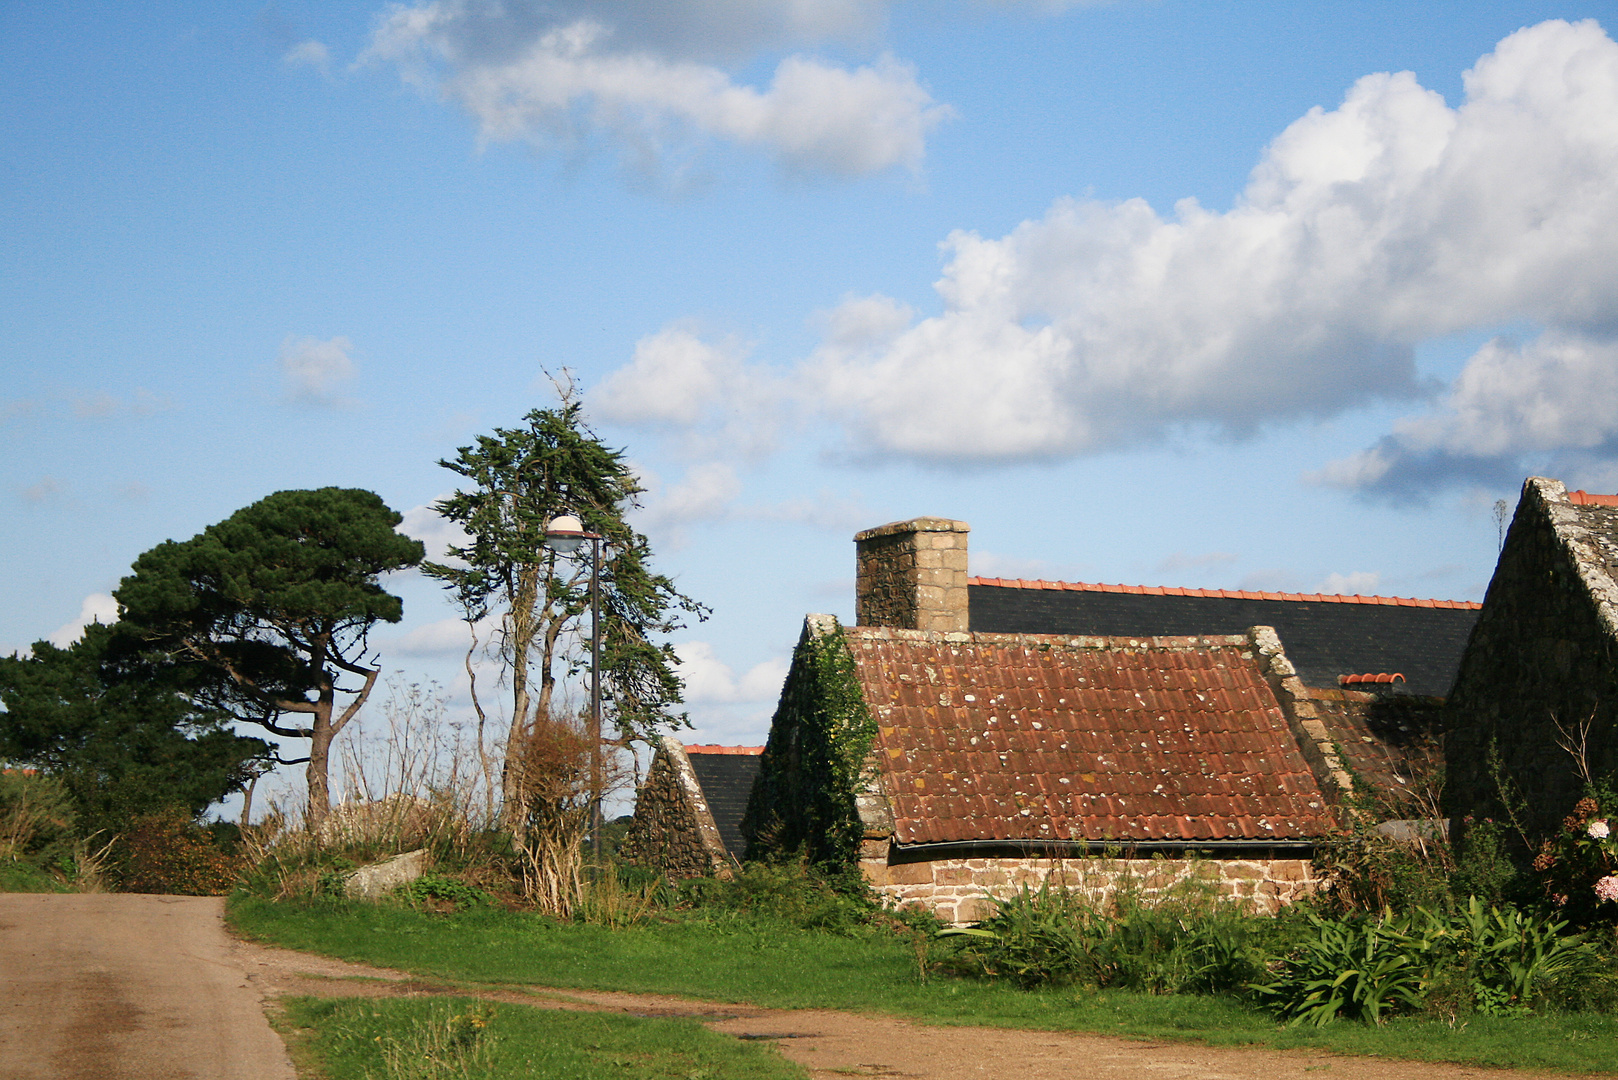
(912, 575)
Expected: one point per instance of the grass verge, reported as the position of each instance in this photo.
(446, 1037)
(782, 967)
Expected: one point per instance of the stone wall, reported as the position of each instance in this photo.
(912, 575)
(959, 890)
(1541, 666)
(673, 830)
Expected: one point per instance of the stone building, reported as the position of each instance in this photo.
(1533, 709)
(1016, 732)
(688, 813)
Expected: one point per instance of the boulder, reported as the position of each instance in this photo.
(375, 881)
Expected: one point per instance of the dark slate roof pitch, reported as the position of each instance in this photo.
(726, 774)
(1325, 635)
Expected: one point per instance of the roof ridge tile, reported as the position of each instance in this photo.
(1234, 594)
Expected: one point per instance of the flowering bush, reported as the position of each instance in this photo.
(1579, 865)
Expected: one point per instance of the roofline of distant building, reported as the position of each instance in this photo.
(1122, 848)
(1218, 594)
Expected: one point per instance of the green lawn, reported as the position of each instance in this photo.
(428, 1038)
(742, 961)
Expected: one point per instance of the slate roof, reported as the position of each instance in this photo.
(726, 774)
(1325, 635)
(1007, 737)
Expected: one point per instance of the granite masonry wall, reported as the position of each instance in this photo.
(1541, 668)
(912, 575)
(961, 890)
(673, 830)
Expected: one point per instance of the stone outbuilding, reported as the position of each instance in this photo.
(1532, 714)
(688, 813)
(971, 735)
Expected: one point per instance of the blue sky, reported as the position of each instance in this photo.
(815, 267)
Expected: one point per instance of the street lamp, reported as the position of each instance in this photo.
(564, 535)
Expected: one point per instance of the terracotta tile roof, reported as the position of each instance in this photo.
(1391, 743)
(1006, 737)
(1241, 594)
(711, 749)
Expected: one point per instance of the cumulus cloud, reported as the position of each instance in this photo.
(711, 681)
(97, 607)
(705, 493)
(314, 369)
(677, 381)
(436, 532)
(446, 637)
(647, 77)
(1553, 400)
(1363, 231)
(1358, 583)
(310, 53)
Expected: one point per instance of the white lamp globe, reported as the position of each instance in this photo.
(564, 534)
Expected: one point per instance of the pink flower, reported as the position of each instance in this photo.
(1607, 888)
(1598, 830)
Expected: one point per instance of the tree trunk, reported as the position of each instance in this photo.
(320, 738)
(520, 640)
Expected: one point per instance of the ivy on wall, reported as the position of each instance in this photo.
(815, 761)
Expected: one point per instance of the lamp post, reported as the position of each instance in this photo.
(564, 535)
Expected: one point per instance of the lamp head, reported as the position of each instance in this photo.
(564, 534)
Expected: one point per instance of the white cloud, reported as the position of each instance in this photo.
(313, 369)
(674, 378)
(1363, 231)
(97, 607)
(436, 532)
(723, 407)
(1358, 583)
(704, 494)
(311, 53)
(446, 637)
(709, 680)
(1553, 400)
(645, 77)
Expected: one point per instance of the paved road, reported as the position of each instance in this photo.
(126, 987)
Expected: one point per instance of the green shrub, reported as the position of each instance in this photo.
(36, 819)
(837, 900)
(1187, 940)
(438, 891)
(1492, 959)
(1359, 967)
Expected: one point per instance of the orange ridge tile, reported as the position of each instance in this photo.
(1236, 594)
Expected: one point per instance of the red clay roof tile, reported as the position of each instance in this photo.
(1096, 739)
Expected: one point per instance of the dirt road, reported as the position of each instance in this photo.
(836, 1046)
(99, 987)
(152, 988)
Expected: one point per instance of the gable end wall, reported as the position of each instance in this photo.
(1544, 653)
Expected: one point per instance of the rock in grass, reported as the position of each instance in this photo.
(375, 881)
